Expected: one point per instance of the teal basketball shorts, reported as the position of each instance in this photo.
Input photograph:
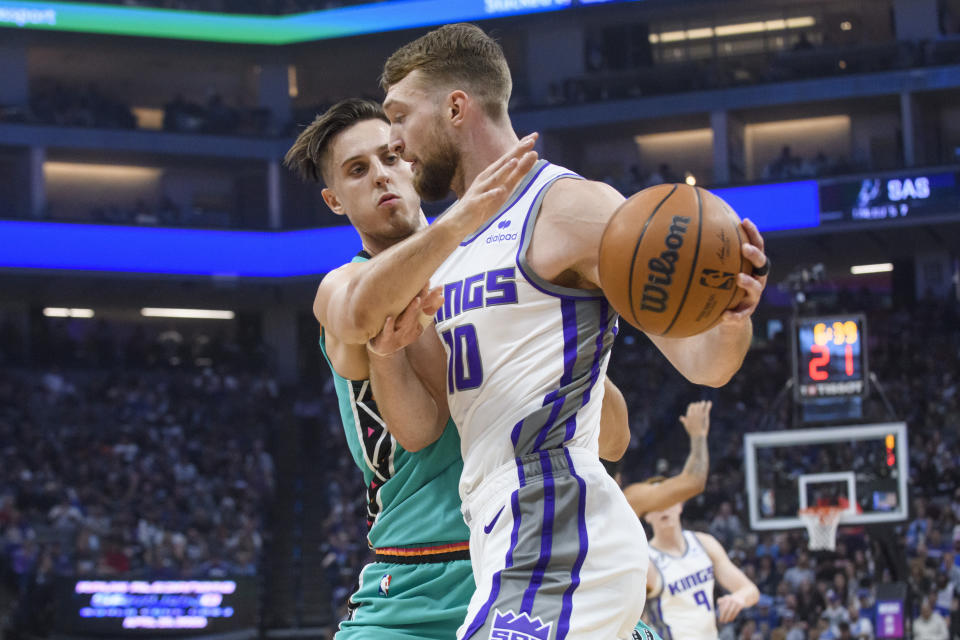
(409, 601)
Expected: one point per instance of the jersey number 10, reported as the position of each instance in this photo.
(464, 369)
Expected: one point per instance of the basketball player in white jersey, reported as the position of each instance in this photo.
(527, 333)
(680, 582)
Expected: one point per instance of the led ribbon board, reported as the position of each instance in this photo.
(284, 254)
(268, 30)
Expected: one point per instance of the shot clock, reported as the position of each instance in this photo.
(830, 357)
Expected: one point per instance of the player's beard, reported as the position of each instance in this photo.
(435, 176)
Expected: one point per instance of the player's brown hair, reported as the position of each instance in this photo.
(460, 54)
(308, 155)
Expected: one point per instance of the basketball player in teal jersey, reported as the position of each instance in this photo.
(421, 582)
(556, 549)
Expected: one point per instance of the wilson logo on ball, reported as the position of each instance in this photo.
(655, 297)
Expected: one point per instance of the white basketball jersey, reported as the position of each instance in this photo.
(525, 358)
(685, 608)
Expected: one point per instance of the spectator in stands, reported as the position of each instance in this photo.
(726, 525)
(929, 625)
(835, 613)
(860, 626)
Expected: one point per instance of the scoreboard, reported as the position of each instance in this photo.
(830, 357)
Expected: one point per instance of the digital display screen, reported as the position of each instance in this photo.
(340, 22)
(830, 356)
(156, 608)
(889, 623)
(889, 198)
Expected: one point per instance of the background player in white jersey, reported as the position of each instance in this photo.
(527, 334)
(680, 581)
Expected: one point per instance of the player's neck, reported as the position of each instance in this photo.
(484, 143)
(374, 244)
(670, 540)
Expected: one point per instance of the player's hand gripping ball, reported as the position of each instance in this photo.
(669, 260)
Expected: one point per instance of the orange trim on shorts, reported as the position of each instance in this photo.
(423, 551)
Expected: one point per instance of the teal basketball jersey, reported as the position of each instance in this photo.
(412, 497)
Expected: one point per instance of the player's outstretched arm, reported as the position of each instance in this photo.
(644, 497)
(712, 357)
(614, 423)
(743, 593)
(407, 374)
(566, 250)
(354, 304)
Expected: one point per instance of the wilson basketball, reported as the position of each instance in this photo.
(669, 258)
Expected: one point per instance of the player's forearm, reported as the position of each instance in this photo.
(725, 347)
(749, 593)
(398, 274)
(697, 466)
(710, 358)
(405, 404)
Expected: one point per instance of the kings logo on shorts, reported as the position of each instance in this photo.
(510, 626)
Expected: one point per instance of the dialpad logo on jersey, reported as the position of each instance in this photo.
(500, 236)
(510, 626)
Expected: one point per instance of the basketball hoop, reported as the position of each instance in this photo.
(822, 523)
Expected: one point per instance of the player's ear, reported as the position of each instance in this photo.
(332, 201)
(456, 106)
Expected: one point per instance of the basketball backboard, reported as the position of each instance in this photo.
(864, 468)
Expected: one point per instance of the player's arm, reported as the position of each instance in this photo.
(409, 383)
(348, 359)
(355, 304)
(565, 250)
(644, 498)
(718, 353)
(614, 423)
(743, 593)
(654, 581)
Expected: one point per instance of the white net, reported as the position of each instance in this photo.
(822, 523)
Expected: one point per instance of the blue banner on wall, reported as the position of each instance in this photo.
(285, 254)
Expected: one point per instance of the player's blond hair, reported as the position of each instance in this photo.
(459, 55)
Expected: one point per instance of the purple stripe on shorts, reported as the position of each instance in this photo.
(480, 619)
(546, 535)
(563, 624)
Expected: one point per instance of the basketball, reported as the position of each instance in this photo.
(669, 259)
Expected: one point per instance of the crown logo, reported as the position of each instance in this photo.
(510, 626)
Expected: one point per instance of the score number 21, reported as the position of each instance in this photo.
(840, 333)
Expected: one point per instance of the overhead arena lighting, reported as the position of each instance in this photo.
(739, 29)
(63, 312)
(861, 269)
(197, 314)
